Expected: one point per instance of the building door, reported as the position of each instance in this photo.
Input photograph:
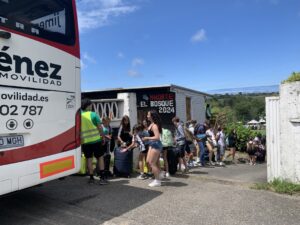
(188, 108)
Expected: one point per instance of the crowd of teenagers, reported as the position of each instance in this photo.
(176, 148)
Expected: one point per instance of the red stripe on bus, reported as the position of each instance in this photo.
(61, 143)
(77, 45)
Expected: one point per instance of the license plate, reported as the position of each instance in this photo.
(11, 141)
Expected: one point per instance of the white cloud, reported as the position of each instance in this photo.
(86, 59)
(134, 73)
(120, 55)
(137, 62)
(89, 58)
(98, 13)
(199, 36)
(82, 65)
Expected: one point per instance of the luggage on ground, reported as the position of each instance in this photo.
(172, 156)
(123, 162)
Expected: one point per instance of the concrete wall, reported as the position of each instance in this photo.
(129, 107)
(197, 105)
(290, 131)
(289, 134)
(125, 103)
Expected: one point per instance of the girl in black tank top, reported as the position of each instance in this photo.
(124, 135)
(155, 146)
(151, 133)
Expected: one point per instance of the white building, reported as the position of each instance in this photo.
(167, 100)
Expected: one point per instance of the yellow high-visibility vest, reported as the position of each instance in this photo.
(89, 132)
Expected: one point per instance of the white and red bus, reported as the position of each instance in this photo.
(40, 92)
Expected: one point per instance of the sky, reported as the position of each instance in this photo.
(199, 44)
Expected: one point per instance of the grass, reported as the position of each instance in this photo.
(279, 186)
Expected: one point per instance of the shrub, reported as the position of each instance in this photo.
(243, 134)
(292, 78)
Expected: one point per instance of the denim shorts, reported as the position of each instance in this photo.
(157, 145)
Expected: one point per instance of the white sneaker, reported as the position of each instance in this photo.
(221, 164)
(167, 175)
(212, 163)
(161, 175)
(155, 183)
(142, 177)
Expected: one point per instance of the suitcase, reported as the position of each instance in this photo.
(172, 156)
(123, 162)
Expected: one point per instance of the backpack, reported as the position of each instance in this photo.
(167, 138)
(200, 132)
(199, 129)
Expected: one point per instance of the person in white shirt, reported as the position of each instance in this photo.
(211, 144)
(221, 146)
(192, 130)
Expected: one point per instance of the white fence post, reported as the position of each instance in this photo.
(273, 138)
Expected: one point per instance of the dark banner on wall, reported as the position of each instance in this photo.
(163, 103)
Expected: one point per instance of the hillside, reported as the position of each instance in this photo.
(240, 107)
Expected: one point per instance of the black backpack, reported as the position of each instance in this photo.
(199, 129)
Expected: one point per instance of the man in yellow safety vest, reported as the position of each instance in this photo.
(91, 139)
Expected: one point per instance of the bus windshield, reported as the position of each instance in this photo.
(52, 20)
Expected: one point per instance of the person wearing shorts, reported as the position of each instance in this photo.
(180, 142)
(155, 147)
(232, 141)
(221, 146)
(91, 140)
(137, 141)
(143, 134)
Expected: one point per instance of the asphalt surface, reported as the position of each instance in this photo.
(204, 196)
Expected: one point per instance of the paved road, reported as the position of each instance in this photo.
(205, 196)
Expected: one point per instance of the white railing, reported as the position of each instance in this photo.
(112, 108)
